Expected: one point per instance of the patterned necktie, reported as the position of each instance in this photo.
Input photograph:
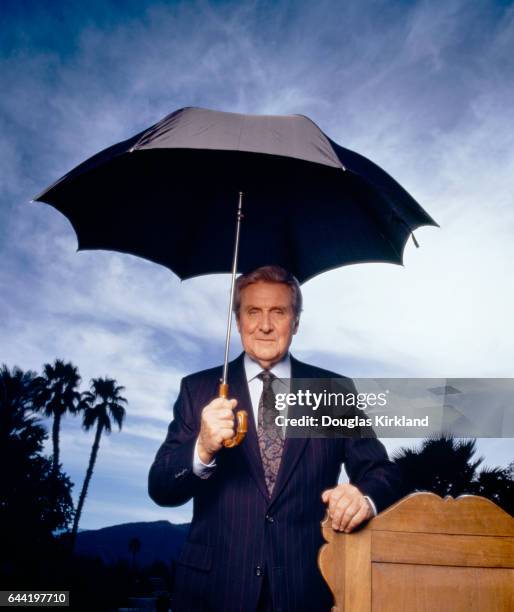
(270, 441)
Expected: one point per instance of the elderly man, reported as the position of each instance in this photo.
(255, 532)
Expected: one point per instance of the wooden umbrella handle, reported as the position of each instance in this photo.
(242, 421)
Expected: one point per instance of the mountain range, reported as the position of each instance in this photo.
(160, 541)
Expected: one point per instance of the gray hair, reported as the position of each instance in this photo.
(269, 274)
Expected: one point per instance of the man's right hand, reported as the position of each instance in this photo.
(217, 425)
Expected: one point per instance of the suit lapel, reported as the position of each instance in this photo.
(293, 447)
(249, 448)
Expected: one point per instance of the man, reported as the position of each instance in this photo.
(255, 532)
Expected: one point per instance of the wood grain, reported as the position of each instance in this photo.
(439, 549)
(429, 513)
(424, 553)
(418, 588)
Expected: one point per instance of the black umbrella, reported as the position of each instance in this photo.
(169, 193)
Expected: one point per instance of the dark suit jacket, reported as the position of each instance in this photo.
(237, 530)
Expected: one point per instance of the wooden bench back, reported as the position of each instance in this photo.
(424, 553)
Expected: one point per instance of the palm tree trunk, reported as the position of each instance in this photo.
(55, 441)
(83, 493)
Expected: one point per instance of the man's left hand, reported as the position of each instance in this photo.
(347, 507)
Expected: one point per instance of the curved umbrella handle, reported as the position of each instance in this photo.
(242, 421)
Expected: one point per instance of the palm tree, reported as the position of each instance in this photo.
(58, 394)
(18, 390)
(497, 484)
(447, 466)
(28, 514)
(442, 465)
(101, 403)
(134, 547)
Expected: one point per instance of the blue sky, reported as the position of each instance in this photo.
(424, 89)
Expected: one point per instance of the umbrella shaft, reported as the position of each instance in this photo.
(232, 287)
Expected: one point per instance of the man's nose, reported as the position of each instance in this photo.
(266, 323)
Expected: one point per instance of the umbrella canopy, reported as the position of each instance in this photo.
(169, 194)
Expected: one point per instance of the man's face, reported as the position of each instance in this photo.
(266, 321)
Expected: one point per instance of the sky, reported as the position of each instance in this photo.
(424, 89)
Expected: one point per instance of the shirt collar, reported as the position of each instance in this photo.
(282, 369)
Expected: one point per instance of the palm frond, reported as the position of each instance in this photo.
(105, 399)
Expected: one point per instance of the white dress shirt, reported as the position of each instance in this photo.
(282, 370)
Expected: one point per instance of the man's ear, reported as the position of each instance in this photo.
(295, 325)
(238, 323)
